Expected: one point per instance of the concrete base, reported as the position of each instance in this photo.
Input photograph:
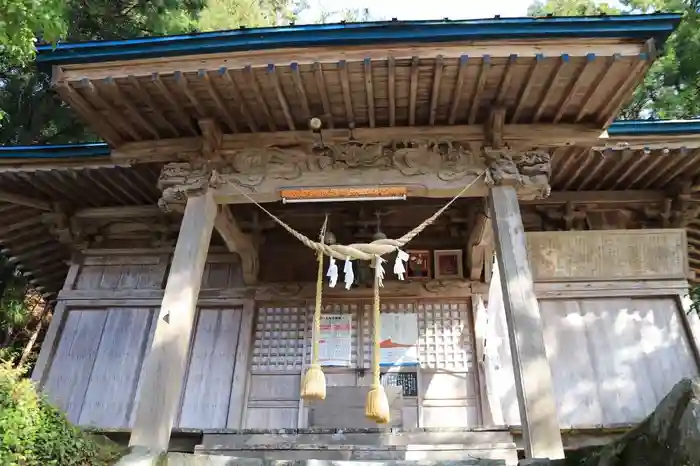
(140, 456)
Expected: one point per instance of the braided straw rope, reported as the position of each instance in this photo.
(319, 289)
(358, 251)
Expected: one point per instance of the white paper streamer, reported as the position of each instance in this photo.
(380, 273)
(349, 273)
(399, 268)
(332, 273)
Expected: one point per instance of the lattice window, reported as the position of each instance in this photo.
(444, 336)
(337, 308)
(279, 338)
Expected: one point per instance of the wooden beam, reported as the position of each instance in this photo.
(533, 377)
(493, 129)
(239, 384)
(480, 247)
(601, 197)
(238, 242)
(26, 201)
(123, 212)
(163, 375)
(519, 136)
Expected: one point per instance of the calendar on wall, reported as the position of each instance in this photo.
(335, 340)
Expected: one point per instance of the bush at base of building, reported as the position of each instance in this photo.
(33, 432)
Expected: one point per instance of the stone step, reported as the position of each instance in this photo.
(180, 459)
(298, 452)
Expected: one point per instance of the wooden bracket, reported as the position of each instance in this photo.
(212, 137)
(493, 129)
(480, 248)
(238, 242)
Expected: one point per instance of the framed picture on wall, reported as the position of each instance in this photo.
(418, 264)
(448, 263)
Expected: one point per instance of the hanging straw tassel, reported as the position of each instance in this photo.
(377, 407)
(313, 384)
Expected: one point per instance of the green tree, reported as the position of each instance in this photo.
(22, 20)
(672, 85)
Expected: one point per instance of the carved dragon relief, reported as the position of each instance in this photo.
(448, 161)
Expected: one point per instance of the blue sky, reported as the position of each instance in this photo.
(423, 9)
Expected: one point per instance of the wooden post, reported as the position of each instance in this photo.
(164, 366)
(533, 377)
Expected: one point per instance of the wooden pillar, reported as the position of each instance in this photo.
(164, 366)
(533, 377)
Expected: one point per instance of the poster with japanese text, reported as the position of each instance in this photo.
(334, 340)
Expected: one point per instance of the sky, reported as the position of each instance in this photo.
(423, 9)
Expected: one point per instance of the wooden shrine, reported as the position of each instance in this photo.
(542, 310)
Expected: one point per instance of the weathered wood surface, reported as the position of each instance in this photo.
(533, 380)
(608, 255)
(614, 359)
(207, 391)
(165, 364)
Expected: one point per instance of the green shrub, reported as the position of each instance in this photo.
(33, 432)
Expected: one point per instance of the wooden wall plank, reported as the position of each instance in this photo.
(110, 393)
(208, 387)
(74, 360)
(150, 332)
(239, 383)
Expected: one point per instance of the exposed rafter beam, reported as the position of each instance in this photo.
(26, 201)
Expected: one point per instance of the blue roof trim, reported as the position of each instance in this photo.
(62, 151)
(658, 26)
(653, 127)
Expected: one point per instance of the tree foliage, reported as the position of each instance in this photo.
(671, 87)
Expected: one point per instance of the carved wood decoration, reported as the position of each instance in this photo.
(427, 168)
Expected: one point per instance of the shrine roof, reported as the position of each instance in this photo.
(656, 26)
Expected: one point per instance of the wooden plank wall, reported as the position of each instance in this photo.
(616, 335)
(95, 370)
(614, 359)
(447, 379)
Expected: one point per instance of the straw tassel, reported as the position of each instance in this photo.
(313, 384)
(377, 406)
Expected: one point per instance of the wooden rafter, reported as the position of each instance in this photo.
(301, 92)
(413, 91)
(134, 113)
(529, 83)
(612, 174)
(325, 101)
(26, 201)
(257, 93)
(589, 155)
(457, 94)
(281, 98)
(481, 82)
(170, 98)
(391, 91)
(221, 106)
(600, 79)
(369, 90)
(148, 100)
(184, 86)
(112, 111)
(435, 94)
(575, 87)
(507, 78)
(347, 97)
(551, 85)
(94, 119)
(242, 106)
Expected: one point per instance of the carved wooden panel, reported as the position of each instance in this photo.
(279, 338)
(608, 255)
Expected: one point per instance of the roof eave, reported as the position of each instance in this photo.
(656, 26)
